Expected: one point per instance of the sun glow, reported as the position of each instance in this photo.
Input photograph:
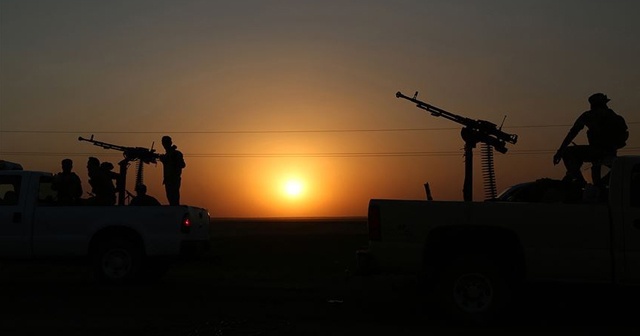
(293, 188)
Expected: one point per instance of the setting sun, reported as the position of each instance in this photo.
(293, 188)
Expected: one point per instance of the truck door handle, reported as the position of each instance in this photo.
(17, 217)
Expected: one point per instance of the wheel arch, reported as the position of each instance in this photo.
(112, 232)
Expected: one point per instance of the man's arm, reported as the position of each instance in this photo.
(573, 132)
(180, 159)
(78, 186)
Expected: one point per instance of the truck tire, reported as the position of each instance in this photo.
(473, 290)
(117, 261)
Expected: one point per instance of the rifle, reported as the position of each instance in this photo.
(473, 132)
(140, 154)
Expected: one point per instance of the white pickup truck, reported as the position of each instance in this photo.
(474, 254)
(123, 243)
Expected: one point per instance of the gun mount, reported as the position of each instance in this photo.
(473, 132)
(139, 154)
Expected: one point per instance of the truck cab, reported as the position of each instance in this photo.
(15, 215)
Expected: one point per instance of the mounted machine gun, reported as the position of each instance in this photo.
(473, 132)
(140, 154)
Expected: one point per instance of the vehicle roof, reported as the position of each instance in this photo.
(23, 172)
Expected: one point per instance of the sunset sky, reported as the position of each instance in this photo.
(288, 108)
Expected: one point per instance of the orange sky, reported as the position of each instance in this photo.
(229, 84)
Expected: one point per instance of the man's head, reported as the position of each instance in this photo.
(598, 100)
(107, 166)
(93, 162)
(67, 165)
(141, 189)
(166, 142)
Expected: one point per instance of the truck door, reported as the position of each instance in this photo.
(15, 231)
(631, 218)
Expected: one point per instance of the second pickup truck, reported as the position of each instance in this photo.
(122, 243)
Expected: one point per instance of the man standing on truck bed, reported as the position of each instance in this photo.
(67, 184)
(173, 163)
(607, 132)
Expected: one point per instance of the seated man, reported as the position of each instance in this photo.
(10, 198)
(607, 132)
(142, 199)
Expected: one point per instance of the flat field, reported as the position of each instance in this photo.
(282, 277)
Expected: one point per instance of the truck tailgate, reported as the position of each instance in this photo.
(196, 238)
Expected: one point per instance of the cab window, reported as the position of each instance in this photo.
(46, 194)
(9, 190)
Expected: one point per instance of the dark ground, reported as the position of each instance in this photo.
(282, 278)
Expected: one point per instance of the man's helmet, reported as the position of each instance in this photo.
(598, 99)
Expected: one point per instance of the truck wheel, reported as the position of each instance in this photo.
(473, 289)
(117, 261)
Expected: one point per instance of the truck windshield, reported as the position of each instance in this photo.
(542, 191)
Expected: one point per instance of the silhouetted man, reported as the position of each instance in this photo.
(607, 132)
(142, 199)
(107, 167)
(101, 184)
(173, 163)
(67, 184)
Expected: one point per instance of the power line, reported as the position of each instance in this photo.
(311, 155)
(372, 130)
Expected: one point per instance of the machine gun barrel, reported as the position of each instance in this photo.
(434, 110)
(486, 128)
(130, 153)
(103, 144)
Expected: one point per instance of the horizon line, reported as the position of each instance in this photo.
(301, 218)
